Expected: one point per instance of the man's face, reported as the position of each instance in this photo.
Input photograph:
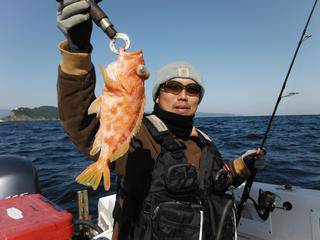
(182, 103)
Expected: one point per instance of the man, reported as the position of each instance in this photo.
(167, 143)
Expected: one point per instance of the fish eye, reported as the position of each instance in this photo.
(142, 71)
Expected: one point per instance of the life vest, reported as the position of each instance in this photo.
(182, 202)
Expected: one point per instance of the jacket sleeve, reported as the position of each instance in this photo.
(75, 88)
(239, 171)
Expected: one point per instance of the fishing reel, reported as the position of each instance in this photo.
(267, 203)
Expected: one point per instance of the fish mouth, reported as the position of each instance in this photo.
(133, 55)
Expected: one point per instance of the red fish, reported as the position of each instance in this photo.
(120, 109)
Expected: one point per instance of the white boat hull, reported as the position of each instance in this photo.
(302, 222)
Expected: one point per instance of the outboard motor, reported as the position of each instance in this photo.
(17, 176)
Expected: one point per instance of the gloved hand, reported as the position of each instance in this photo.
(254, 159)
(74, 21)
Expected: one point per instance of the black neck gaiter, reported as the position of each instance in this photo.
(179, 125)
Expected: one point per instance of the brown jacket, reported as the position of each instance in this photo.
(75, 87)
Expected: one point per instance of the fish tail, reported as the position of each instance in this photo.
(92, 175)
(106, 178)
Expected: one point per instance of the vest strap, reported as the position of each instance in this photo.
(162, 135)
(157, 123)
(203, 135)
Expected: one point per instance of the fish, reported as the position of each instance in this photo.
(120, 108)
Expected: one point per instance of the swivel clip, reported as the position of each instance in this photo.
(121, 36)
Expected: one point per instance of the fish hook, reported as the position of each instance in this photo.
(121, 36)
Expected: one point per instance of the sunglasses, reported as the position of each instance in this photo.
(174, 87)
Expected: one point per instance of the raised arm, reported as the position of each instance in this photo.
(76, 74)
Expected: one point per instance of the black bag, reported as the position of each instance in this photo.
(181, 178)
(177, 220)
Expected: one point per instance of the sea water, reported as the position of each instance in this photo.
(293, 152)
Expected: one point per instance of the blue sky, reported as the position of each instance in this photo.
(242, 48)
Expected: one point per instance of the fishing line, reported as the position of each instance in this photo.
(247, 187)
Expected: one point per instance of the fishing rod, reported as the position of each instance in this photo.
(247, 187)
(101, 19)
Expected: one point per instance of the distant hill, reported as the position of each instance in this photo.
(51, 113)
(39, 113)
(203, 114)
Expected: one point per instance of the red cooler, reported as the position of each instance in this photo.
(33, 217)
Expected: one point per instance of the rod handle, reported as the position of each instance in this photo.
(101, 19)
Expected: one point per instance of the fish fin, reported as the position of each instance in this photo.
(96, 147)
(121, 151)
(92, 175)
(139, 119)
(106, 178)
(95, 150)
(95, 106)
(108, 81)
(104, 73)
